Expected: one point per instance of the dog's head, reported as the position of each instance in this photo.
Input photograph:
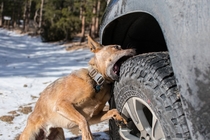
(108, 59)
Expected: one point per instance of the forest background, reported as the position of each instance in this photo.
(53, 20)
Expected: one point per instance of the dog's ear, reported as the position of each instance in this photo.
(93, 45)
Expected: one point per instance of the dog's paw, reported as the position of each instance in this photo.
(121, 123)
(118, 118)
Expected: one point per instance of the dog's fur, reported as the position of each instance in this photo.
(73, 100)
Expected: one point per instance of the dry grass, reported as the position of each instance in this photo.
(75, 46)
(7, 118)
(25, 110)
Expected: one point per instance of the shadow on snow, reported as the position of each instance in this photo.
(27, 56)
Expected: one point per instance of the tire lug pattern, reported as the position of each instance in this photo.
(151, 78)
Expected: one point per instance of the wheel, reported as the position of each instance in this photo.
(147, 96)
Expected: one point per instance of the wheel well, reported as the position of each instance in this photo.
(136, 30)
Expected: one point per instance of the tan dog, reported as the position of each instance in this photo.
(79, 98)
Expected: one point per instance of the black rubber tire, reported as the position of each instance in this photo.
(150, 77)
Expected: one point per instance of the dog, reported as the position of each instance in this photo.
(78, 99)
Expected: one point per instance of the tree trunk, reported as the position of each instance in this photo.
(93, 28)
(14, 14)
(24, 17)
(1, 14)
(40, 15)
(83, 29)
(28, 14)
(19, 16)
(35, 23)
(97, 17)
(82, 18)
(81, 12)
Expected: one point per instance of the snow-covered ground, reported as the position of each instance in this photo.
(27, 66)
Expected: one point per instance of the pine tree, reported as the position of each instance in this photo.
(53, 19)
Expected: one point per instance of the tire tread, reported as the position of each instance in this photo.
(154, 71)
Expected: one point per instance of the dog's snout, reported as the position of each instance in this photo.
(133, 51)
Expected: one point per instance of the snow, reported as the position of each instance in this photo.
(27, 66)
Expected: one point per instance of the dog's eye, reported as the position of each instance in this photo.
(117, 47)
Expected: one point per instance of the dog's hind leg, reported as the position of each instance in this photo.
(68, 111)
(29, 133)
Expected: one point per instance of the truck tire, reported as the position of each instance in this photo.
(147, 96)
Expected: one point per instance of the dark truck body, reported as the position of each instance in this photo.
(180, 27)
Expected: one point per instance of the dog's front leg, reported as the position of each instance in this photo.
(68, 111)
(105, 115)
